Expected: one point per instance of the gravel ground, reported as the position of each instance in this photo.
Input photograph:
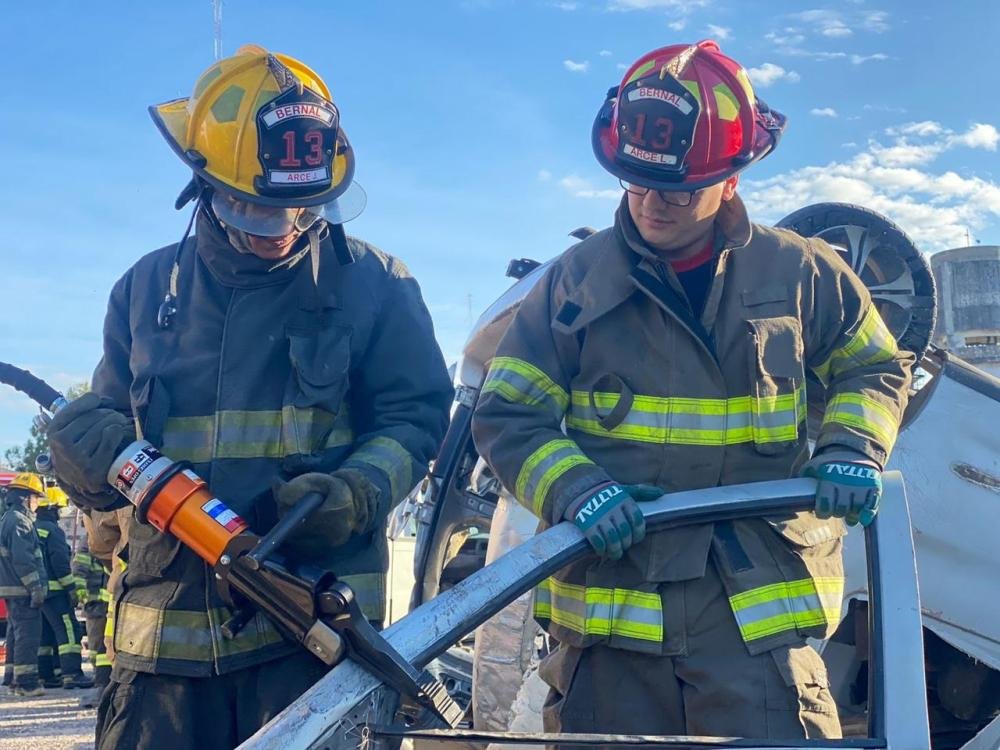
(52, 721)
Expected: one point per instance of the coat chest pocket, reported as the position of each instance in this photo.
(777, 383)
(320, 367)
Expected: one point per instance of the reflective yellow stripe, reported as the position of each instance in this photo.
(693, 421)
(542, 468)
(42, 533)
(392, 459)
(104, 596)
(784, 606)
(590, 610)
(870, 345)
(864, 414)
(255, 434)
(102, 660)
(521, 382)
(188, 635)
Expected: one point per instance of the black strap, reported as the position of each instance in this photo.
(340, 247)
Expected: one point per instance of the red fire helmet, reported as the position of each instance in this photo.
(684, 117)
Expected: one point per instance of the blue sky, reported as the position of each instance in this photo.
(471, 123)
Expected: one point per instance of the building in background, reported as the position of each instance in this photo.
(968, 291)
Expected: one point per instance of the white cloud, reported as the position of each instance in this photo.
(718, 32)
(823, 112)
(605, 53)
(579, 187)
(576, 67)
(922, 128)
(544, 175)
(849, 144)
(677, 25)
(859, 59)
(978, 136)
(875, 20)
(566, 5)
(895, 179)
(786, 37)
(769, 74)
(622, 66)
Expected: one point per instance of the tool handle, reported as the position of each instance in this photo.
(273, 539)
(37, 389)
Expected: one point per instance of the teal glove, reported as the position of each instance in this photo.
(644, 493)
(610, 519)
(848, 489)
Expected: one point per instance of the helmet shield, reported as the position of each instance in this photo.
(296, 140)
(273, 221)
(656, 122)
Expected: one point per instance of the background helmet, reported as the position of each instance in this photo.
(684, 117)
(54, 497)
(261, 128)
(29, 482)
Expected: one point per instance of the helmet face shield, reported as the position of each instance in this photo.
(273, 221)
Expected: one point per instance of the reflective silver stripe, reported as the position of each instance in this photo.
(256, 434)
(542, 468)
(785, 606)
(600, 611)
(521, 382)
(12, 591)
(864, 414)
(693, 421)
(389, 457)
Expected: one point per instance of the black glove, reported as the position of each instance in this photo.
(85, 437)
(37, 595)
(349, 506)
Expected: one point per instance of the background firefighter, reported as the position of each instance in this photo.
(95, 597)
(675, 345)
(61, 630)
(279, 357)
(23, 583)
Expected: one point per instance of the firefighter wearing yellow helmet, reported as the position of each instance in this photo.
(23, 584)
(61, 631)
(279, 357)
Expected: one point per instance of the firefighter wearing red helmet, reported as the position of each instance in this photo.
(667, 353)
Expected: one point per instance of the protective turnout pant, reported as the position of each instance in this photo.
(142, 711)
(49, 668)
(60, 617)
(97, 621)
(24, 634)
(710, 686)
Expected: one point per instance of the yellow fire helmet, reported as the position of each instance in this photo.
(54, 497)
(261, 129)
(26, 480)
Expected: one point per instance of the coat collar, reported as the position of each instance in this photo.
(608, 282)
(243, 270)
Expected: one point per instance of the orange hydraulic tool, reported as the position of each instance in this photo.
(308, 605)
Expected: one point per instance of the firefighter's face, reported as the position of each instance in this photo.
(272, 248)
(676, 230)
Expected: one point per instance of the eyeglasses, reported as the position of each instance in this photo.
(673, 198)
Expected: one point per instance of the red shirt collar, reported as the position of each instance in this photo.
(689, 264)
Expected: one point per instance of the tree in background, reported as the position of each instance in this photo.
(22, 457)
